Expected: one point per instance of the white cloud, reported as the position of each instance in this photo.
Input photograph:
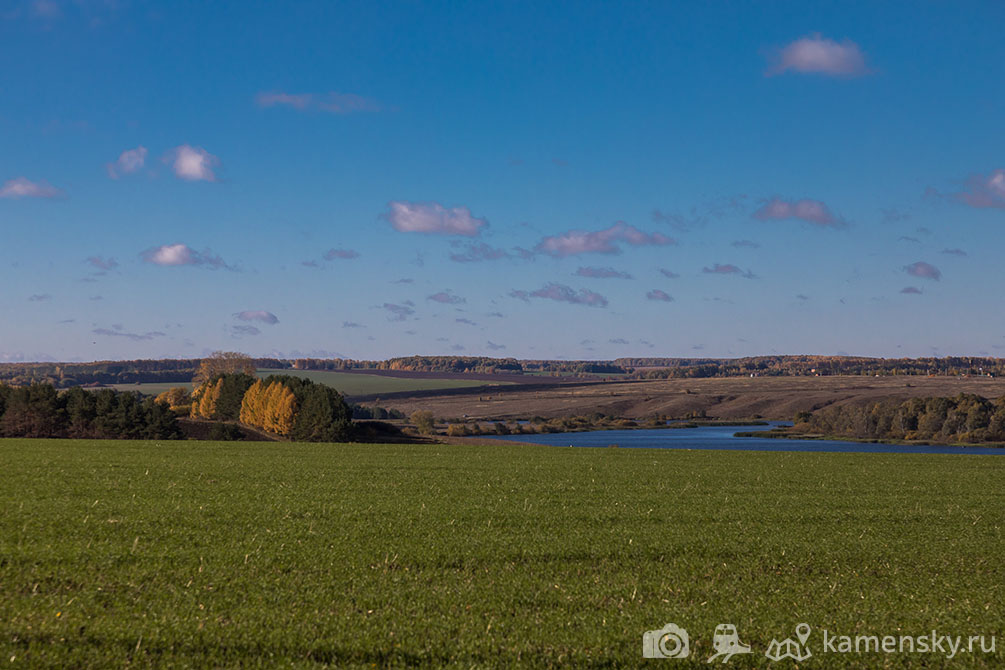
(446, 297)
(135, 337)
(170, 254)
(985, 190)
(344, 254)
(563, 293)
(243, 330)
(332, 102)
(810, 211)
(728, 269)
(816, 54)
(192, 163)
(475, 252)
(257, 315)
(182, 254)
(602, 273)
(923, 270)
(433, 218)
(605, 241)
(21, 187)
(128, 162)
(398, 312)
(102, 264)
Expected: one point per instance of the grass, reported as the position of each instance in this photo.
(347, 383)
(125, 554)
(353, 384)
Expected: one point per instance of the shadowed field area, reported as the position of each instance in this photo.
(153, 389)
(774, 398)
(356, 384)
(295, 555)
(348, 383)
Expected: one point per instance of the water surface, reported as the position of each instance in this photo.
(721, 437)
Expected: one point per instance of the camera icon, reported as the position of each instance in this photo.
(671, 641)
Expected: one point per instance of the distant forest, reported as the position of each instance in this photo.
(967, 418)
(66, 375)
(280, 405)
(39, 410)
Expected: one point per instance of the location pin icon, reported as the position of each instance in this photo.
(803, 632)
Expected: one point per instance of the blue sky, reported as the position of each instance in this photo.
(539, 180)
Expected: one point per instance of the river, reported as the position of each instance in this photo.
(722, 437)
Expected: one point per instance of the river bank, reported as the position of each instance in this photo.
(789, 434)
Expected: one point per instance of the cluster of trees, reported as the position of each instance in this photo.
(966, 418)
(375, 413)
(453, 364)
(686, 368)
(573, 368)
(223, 363)
(271, 407)
(280, 404)
(219, 398)
(683, 368)
(462, 364)
(39, 410)
(479, 364)
(67, 375)
(99, 373)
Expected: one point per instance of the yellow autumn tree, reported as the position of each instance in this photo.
(196, 394)
(223, 362)
(251, 406)
(269, 407)
(207, 399)
(175, 397)
(272, 407)
(281, 409)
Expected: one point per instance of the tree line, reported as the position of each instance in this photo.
(966, 418)
(100, 373)
(39, 410)
(68, 375)
(283, 405)
(690, 368)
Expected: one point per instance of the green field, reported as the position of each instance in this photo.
(350, 383)
(345, 382)
(201, 554)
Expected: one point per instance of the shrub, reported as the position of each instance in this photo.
(225, 432)
(458, 430)
(423, 421)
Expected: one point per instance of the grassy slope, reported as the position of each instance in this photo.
(347, 383)
(775, 398)
(352, 384)
(261, 555)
